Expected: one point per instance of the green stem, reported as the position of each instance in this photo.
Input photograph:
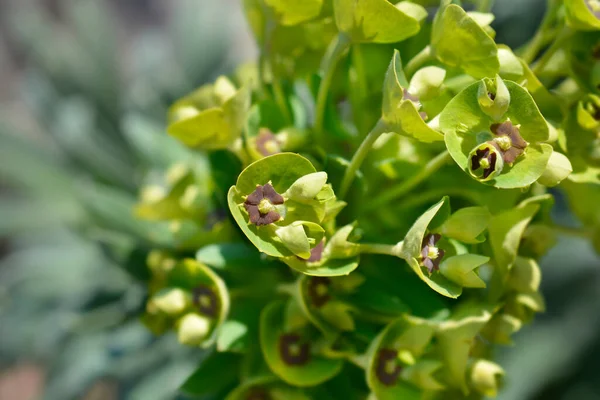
(360, 88)
(359, 157)
(570, 231)
(418, 61)
(280, 100)
(557, 45)
(335, 51)
(485, 6)
(376, 248)
(398, 191)
(542, 35)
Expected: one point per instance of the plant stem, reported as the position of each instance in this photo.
(334, 52)
(570, 231)
(542, 35)
(280, 100)
(418, 61)
(554, 47)
(359, 157)
(376, 248)
(398, 191)
(360, 88)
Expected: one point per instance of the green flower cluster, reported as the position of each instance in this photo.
(333, 158)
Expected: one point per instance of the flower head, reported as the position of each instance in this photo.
(206, 300)
(509, 140)
(485, 161)
(260, 205)
(267, 143)
(387, 369)
(293, 350)
(431, 255)
(318, 290)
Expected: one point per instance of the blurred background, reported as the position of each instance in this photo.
(84, 86)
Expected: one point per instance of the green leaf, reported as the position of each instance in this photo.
(466, 126)
(458, 41)
(525, 275)
(292, 12)
(485, 377)
(460, 269)
(316, 371)
(377, 21)
(581, 15)
(400, 114)
(427, 83)
(466, 224)
(215, 373)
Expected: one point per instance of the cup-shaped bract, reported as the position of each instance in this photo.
(518, 138)
(377, 21)
(583, 14)
(392, 355)
(457, 40)
(456, 337)
(290, 12)
(445, 273)
(291, 354)
(210, 118)
(195, 300)
(400, 108)
(279, 203)
(333, 256)
(493, 97)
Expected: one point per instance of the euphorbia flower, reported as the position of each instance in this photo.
(387, 368)
(318, 290)
(509, 140)
(430, 253)
(485, 161)
(293, 350)
(260, 205)
(267, 143)
(206, 300)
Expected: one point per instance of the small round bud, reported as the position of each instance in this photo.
(193, 329)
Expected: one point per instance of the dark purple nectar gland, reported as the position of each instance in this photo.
(509, 141)
(267, 143)
(206, 300)
(316, 253)
(430, 254)
(387, 368)
(260, 205)
(292, 350)
(318, 290)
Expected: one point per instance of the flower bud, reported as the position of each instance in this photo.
(193, 329)
(426, 83)
(493, 97)
(307, 187)
(485, 162)
(294, 238)
(558, 168)
(171, 301)
(485, 377)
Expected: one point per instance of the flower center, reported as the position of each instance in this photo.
(503, 142)
(433, 252)
(484, 163)
(265, 206)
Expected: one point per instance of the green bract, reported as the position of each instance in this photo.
(212, 117)
(466, 126)
(377, 21)
(295, 229)
(400, 110)
(457, 40)
(583, 14)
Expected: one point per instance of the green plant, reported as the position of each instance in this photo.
(385, 148)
